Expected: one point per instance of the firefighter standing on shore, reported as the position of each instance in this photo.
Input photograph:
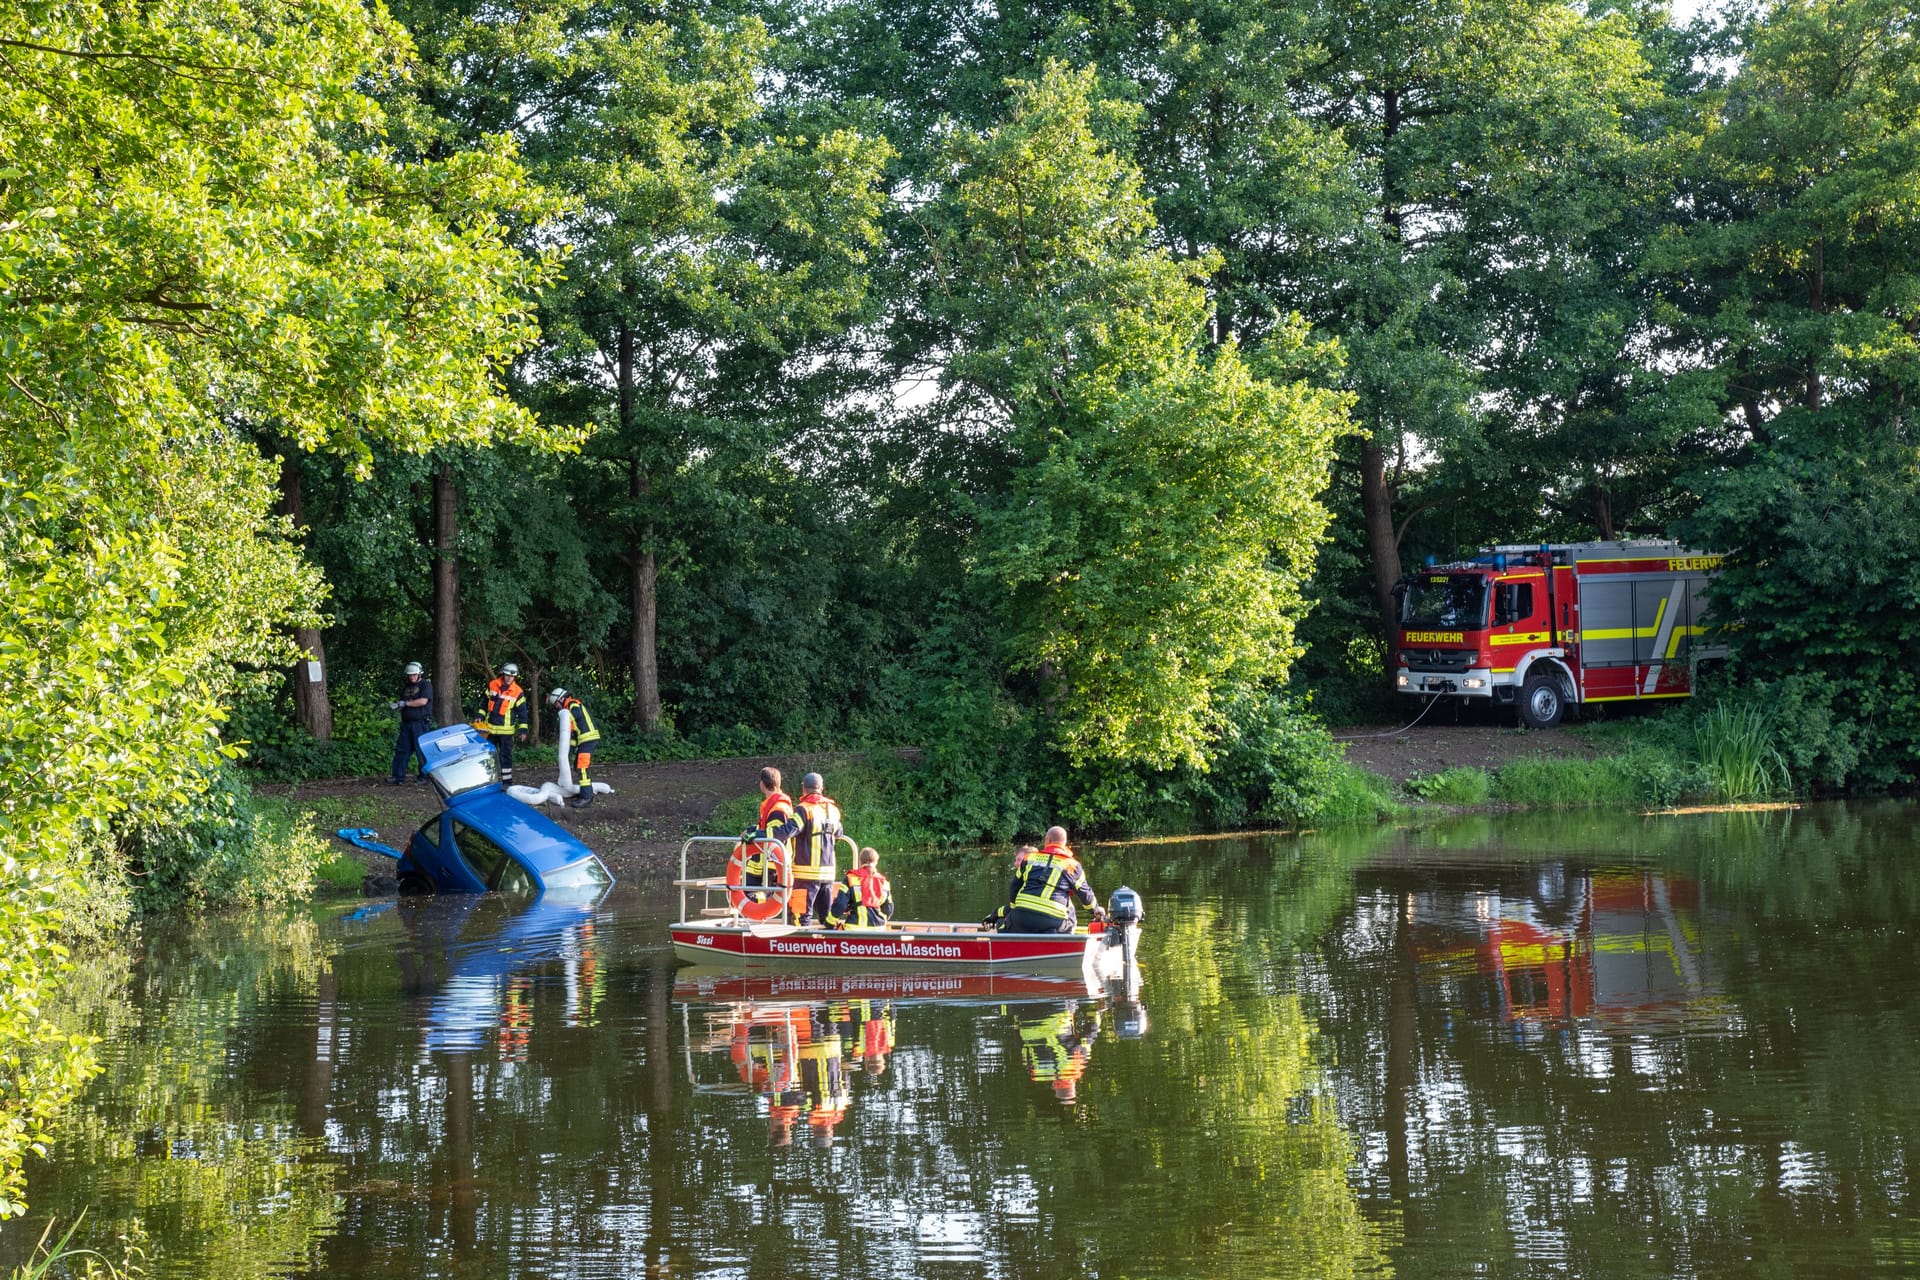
(582, 735)
(814, 845)
(506, 716)
(415, 705)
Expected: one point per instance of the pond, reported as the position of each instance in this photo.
(1589, 1046)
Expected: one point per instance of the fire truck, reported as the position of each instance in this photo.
(1547, 627)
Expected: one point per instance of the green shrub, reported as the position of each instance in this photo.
(228, 848)
(1350, 795)
(1463, 784)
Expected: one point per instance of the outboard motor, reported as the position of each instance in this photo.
(1125, 912)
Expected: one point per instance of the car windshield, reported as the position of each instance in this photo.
(1456, 601)
(586, 875)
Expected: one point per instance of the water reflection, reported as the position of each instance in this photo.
(1619, 948)
(473, 957)
(1603, 1047)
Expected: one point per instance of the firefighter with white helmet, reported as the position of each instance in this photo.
(582, 735)
(505, 718)
(415, 705)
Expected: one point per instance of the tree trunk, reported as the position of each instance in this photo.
(1383, 548)
(311, 706)
(643, 570)
(1603, 512)
(446, 597)
(646, 658)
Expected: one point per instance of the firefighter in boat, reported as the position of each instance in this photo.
(1044, 890)
(865, 901)
(777, 825)
(505, 718)
(999, 913)
(582, 735)
(814, 846)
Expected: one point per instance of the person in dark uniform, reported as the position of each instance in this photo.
(1044, 889)
(415, 705)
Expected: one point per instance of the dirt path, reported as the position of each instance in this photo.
(1431, 748)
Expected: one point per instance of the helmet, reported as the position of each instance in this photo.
(414, 669)
(558, 696)
(510, 669)
(812, 782)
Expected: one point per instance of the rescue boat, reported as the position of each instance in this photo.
(740, 919)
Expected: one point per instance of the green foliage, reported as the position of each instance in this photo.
(227, 848)
(1163, 507)
(63, 1258)
(1463, 785)
(1564, 783)
(190, 250)
(1352, 796)
(1735, 746)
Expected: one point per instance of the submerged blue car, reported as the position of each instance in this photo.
(484, 840)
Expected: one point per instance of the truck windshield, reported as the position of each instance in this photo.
(1456, 601)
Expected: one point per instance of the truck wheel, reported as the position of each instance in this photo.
(1542, 701)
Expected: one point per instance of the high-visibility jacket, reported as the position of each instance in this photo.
(814, 844)
(506, 707)
(865, 901)
(1049, 882)
(583, 730)
(776, 818)
(776, 823)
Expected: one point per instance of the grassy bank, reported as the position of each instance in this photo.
(1725, 754)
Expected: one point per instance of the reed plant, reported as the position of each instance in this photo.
(60, 1258)
(1735, 748)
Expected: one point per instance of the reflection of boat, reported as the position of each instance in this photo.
(484, 839)
(717, 932)
(484, 989)
(705, 983)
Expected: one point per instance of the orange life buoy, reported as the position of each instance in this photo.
(767, 897)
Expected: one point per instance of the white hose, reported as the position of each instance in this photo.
(558, 792)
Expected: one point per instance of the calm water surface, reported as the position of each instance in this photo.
(1591, 1046)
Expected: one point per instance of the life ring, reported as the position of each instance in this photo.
(763, 899)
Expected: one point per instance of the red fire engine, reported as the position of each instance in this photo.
(1550, 626)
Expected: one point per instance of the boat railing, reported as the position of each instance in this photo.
(707, 885)
(711, 885)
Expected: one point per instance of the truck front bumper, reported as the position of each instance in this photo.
(1476, 682)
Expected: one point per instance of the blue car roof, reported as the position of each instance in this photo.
(540, 842)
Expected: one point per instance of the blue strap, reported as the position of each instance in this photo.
(363, 838)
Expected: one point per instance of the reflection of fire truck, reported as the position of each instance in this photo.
(1546, 627)
(1624, 950)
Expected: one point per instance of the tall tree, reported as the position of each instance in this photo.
(1162, 504)
(1798, 281)
(191, 251)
